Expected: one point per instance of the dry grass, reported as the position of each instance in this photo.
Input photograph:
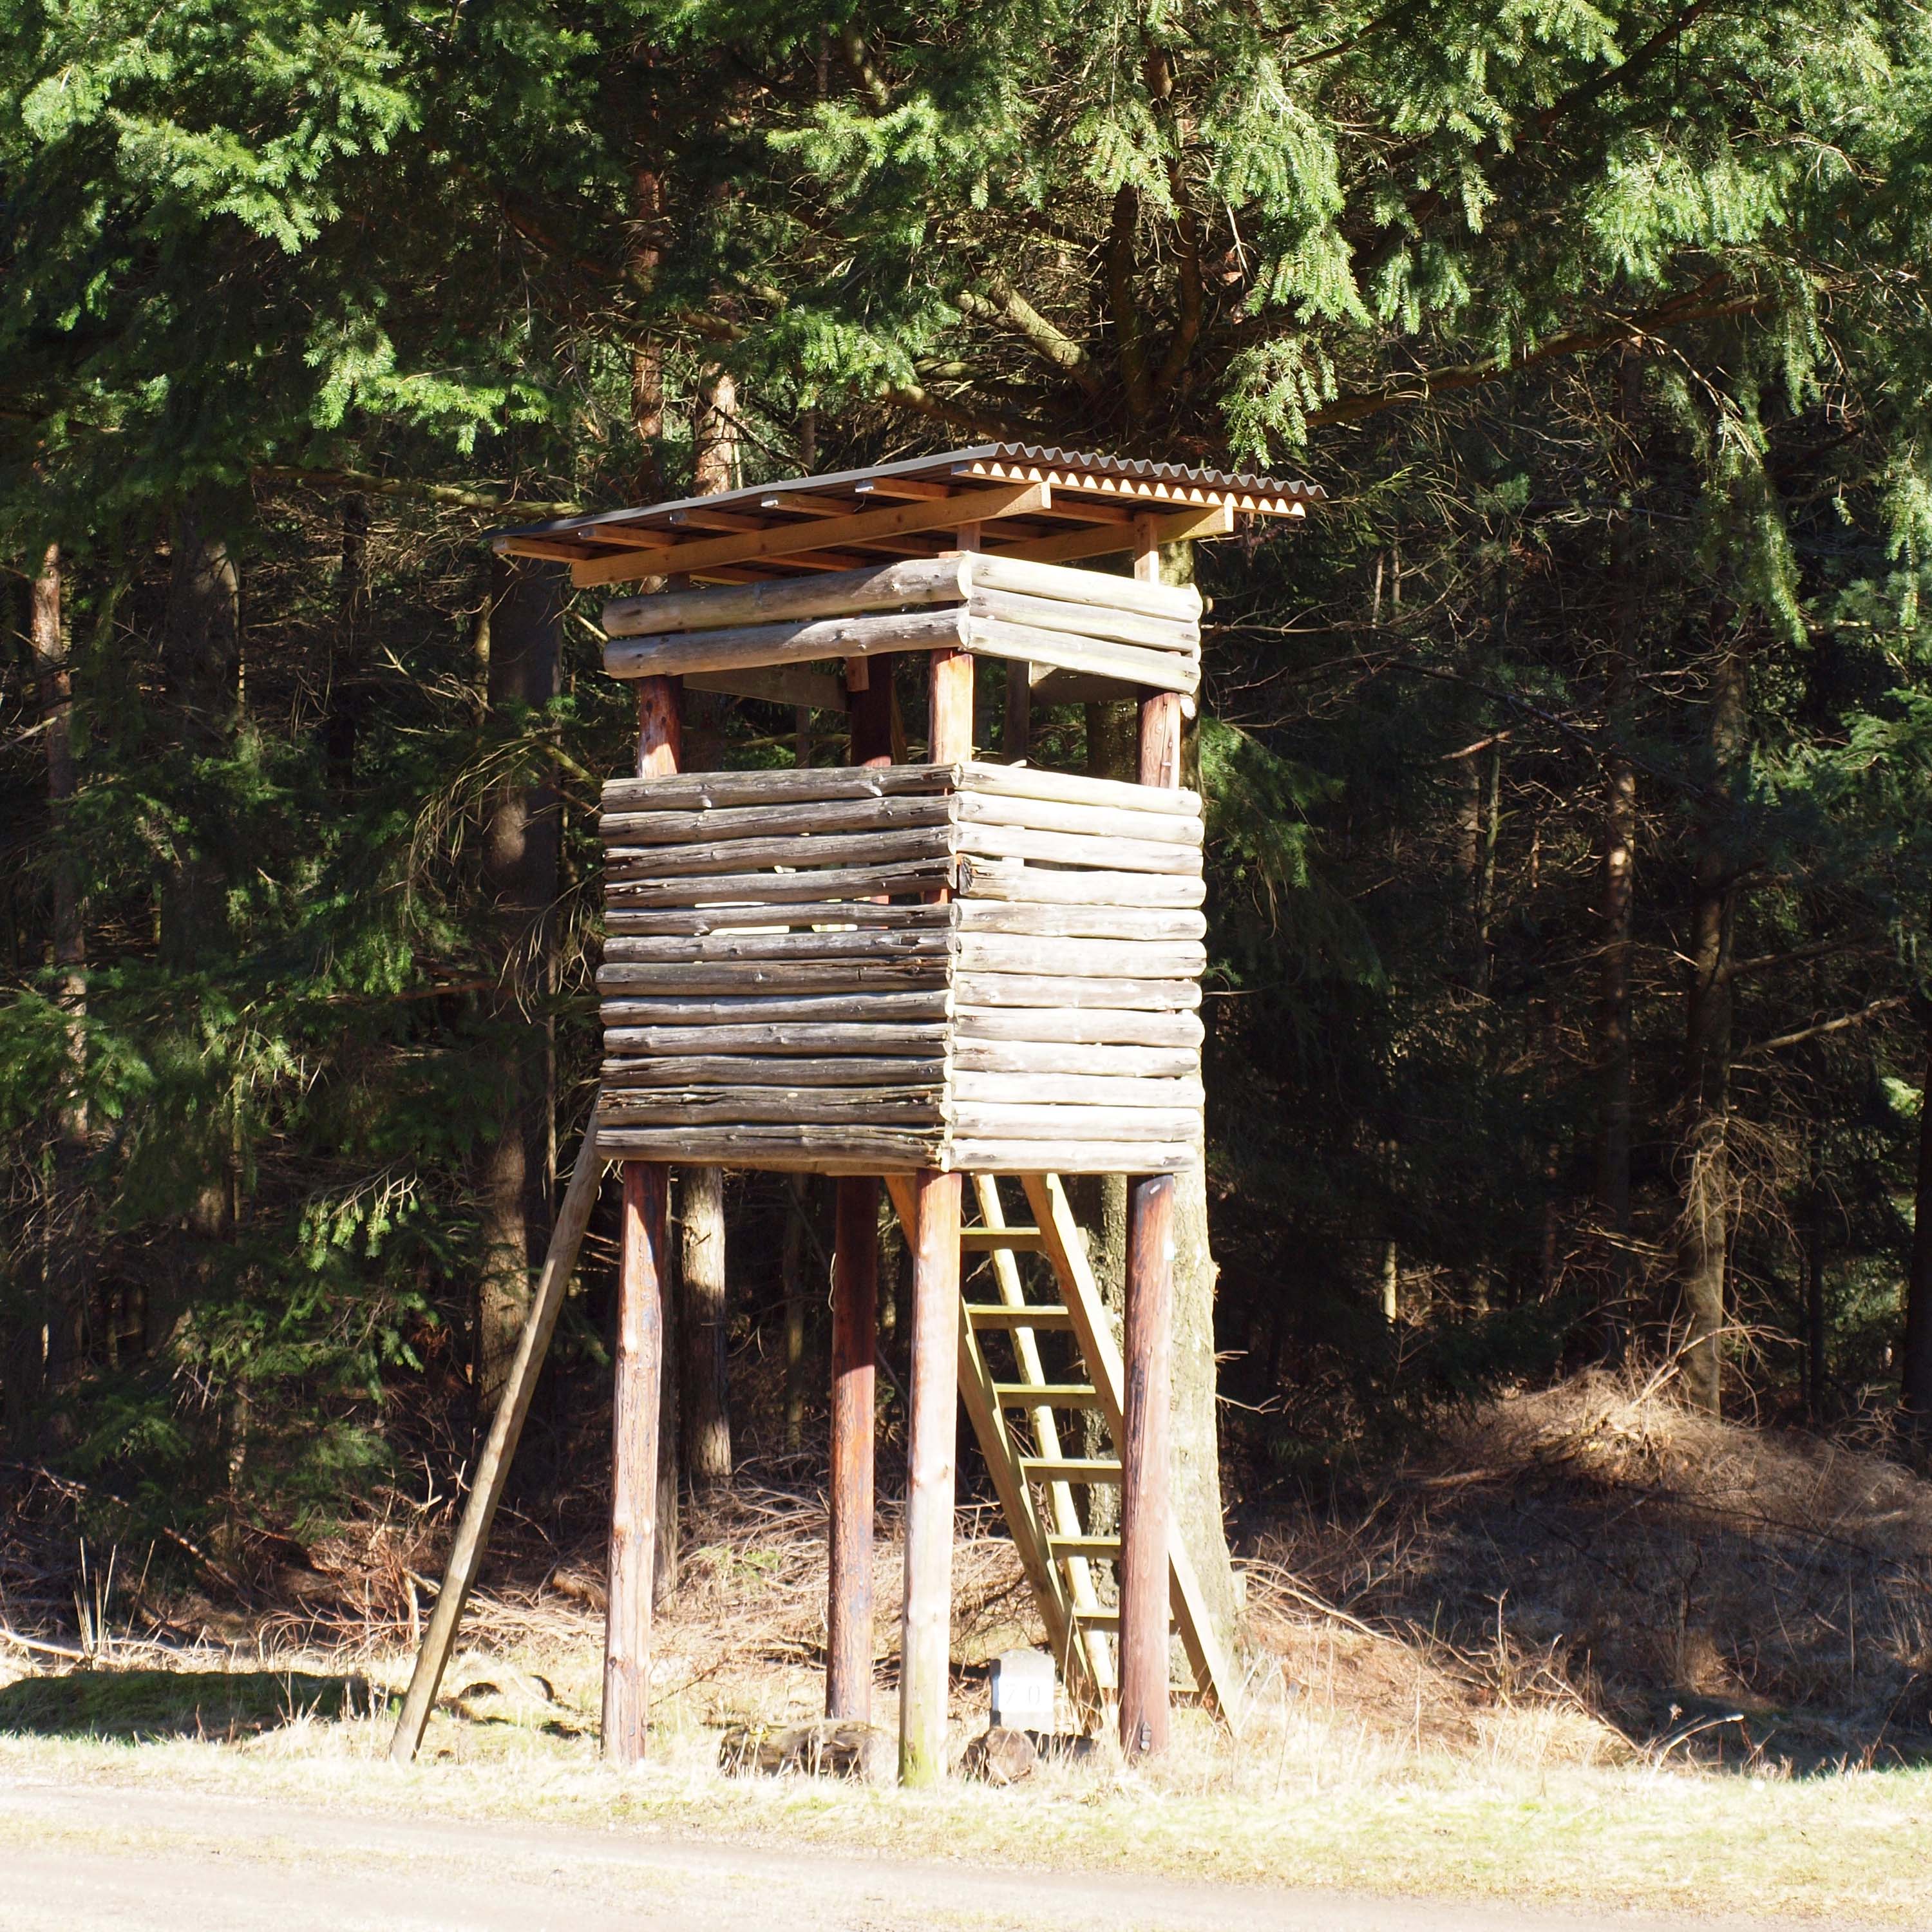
(1467, 1689)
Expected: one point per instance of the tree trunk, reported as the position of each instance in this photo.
(348, 694)
(1704, 1229)
(707, 1419)
(715, 433)
(792, 1268)
(521, 860)
(1915, 1353)
(66, 1273)
(1616, 900)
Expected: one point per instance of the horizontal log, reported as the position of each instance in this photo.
(830, 815)
(1066, 848)
(915, 1039)
(695, 921)
(695, 790)
(1074, 788)
(755, 646)
(1054, 992)
(1052, 814)
(872, 1008)
(865, 943)
(988, 879)
(919, 842)
(809, 1149)
(1120, 958)
(1099, 621)
(758, 978)
(1128, 923)
(892, 1107)
(746, 1069)
(1161, 670)
(942, 580)
(1029, 1056)
(1075, 1089)
(1066, 585)
(1073, 1026)
(738, 888)
(969, 1156)
(778, 684)
(1005, 1121)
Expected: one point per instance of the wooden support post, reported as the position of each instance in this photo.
(642, 1278)
(926, 1638)
(848, 1602)
(493, 1467)
(1148, 1350)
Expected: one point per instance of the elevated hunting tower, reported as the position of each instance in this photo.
(912, 974)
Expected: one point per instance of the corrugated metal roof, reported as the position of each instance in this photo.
(1054, 503)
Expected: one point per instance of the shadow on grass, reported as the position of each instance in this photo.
(215, 1704)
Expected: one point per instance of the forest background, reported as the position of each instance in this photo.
(1566, 773)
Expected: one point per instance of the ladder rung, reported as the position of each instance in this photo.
(996, 1315)
(1084, 1546)
(1072, 1468)
(1049, 1395)
(1105, 1620)
(979, 1240)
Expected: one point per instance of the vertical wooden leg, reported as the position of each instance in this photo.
(855, 1302)
(926, 1636)
(1145, 1508)
(642, 1270)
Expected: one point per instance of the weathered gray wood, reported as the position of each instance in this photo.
(694, 922)
(946, 628)
(1029, 1056)
(785, 684)
(1052, 685)
(1116, 958)
(806, 1038)
(506, 1427)
(1098, 1026)
(844, 815)
(863, 943)
(923, 842)
(1021, 1121)
(867, 1107)
(986, 878)
(1076, 1090)
(968, 1155)
(695, 790)
(1066, 585)
(855, 1150)
(1099, 621)
(873, 1009)
(1075, 788)
(753, 978)
(744, 1069)
(1129, 922)
(1163, 670)
(736, 889)
(1099, 822)
(1053, 993)
(1063, 848)
(943, 580)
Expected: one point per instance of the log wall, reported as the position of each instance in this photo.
(778, 993)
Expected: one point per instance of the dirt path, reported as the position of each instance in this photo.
(80, 1857)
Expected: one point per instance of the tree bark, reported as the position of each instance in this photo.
(1915, 1352)
(707, 1419)
(66, 1271)
(1704, 1227)
(791, 1265)
(715, 433)
(1616, 905)
(520, 859)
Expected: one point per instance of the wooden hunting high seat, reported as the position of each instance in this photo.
(912, 972)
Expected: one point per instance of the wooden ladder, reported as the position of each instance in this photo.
(1035, 1477)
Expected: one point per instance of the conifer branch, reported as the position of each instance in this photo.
(1002, 302)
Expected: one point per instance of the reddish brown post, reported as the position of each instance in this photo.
(643, 1279)
(1148, 1351)
(633, 1459)
(848, 1599)
(926, 1640)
